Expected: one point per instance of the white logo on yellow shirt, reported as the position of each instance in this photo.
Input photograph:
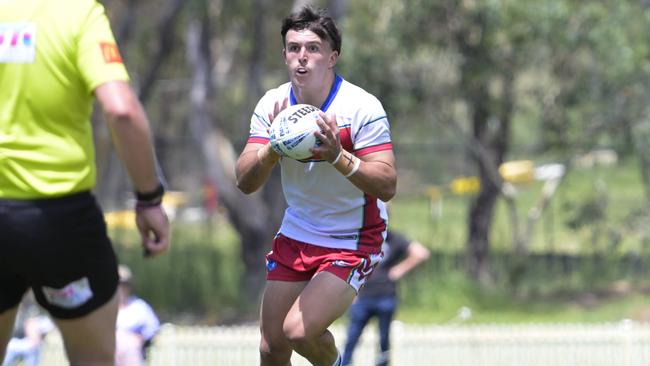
(18, 42)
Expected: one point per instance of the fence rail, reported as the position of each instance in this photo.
(612, 344)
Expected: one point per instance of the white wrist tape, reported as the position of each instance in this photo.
(357, 163)
(338, 157)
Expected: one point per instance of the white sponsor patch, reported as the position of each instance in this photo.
(340, 263)
(18, 42)
(71, 295)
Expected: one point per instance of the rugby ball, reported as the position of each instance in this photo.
(292, 131)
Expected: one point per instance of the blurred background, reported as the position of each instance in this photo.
(521, 130)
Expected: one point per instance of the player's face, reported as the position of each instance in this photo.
(310, 59)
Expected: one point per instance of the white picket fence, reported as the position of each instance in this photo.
(612, 344)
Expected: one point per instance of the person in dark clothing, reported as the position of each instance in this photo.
(378, 297)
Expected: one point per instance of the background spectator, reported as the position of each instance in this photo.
(378, 298)
(137, 324)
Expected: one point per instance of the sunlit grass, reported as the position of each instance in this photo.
(619, 185)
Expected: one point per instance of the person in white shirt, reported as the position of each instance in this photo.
(332, 231)
(27, 339)
(137, 324)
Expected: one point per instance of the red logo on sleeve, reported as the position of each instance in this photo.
(110, 52)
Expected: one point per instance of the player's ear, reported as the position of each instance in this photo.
(334, 57)
(284, 55)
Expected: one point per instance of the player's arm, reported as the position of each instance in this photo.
(256, 162)
(373, 173)
(254, 166)
(132, 139)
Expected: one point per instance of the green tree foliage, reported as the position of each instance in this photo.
(552, 78)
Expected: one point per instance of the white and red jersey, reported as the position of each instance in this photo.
(324, 207)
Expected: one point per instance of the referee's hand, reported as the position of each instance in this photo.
(153, 226)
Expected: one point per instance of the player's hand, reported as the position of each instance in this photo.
(277, 108)
(153, 226)
(396, 273)
(329, 136)
(274, 153)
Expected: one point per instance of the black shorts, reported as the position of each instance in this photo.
(59, 247)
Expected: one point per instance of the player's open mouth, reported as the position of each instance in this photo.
(301, 70)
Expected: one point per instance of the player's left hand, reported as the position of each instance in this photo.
(329, 136)
(278, 107)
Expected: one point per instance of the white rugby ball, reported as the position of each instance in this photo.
(292, 131)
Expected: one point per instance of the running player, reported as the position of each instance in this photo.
(55, 58)
(331, 235)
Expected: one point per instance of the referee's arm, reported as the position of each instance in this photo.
(130, 131)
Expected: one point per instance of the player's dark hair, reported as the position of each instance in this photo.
(315, 20)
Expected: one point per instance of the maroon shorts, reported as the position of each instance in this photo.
(293, 260)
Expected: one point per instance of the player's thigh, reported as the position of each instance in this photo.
(91, 339)
(323, 300)
(7, 319)
(278, 298)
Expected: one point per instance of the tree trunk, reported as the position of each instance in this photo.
(166, 29)
(482, 208)
(337, 8)
(641, 133)
(480, 218)
(490, 119)
(250, 215)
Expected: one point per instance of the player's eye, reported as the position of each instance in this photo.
(313, 48)
(293, 48)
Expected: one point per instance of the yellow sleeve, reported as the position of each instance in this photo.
(98, 57)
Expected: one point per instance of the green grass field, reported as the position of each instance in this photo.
(199, 278)
(593, 211)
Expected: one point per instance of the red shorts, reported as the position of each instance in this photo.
(293, 260)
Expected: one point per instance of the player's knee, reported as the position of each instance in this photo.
(295, 332)
(296, 338)
(301, 335)
(273, 354)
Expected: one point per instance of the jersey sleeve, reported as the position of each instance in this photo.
(98, 57)
(259, 127)
(373, 132)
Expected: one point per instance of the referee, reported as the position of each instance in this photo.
(56, 58)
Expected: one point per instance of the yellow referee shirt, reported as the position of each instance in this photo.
(53, 54)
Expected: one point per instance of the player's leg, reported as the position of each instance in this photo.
(7, 319)
(385, 311)
(278, 298)
(323, 300)
(359, 317)
(90, 340)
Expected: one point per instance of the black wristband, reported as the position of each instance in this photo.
(152, 196)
